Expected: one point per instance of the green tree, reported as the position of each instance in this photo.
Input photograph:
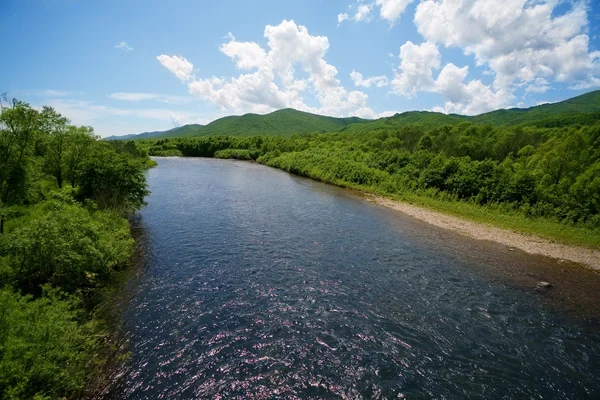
(19, 126)
(112, 181)
(55, 126)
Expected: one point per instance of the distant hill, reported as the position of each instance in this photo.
(582, 109)
(284, 122)
(186, 129)
(585, 105)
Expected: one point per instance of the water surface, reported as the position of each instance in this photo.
(263, 285)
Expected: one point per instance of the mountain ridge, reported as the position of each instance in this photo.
(584, 108)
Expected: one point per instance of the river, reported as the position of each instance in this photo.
(259, 284)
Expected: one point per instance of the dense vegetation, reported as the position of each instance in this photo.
(547, 175)
(64, 199)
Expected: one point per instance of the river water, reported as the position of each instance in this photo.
(264, 285)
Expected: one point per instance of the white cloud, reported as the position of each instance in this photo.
(48, 93)
(416, 68)
(123, 46)
(379, 81)
(342, 17)
(469, 98)
(363, 12)
(175, 120)
(272, 80)
(248, 55)
(103, 118)
(539, 85)
(135, 97)
(416, 74)
(389, 10)
(519, 40)
(181, 67)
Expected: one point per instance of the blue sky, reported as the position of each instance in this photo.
(133, 66)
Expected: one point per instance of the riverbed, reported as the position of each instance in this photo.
(259, 284)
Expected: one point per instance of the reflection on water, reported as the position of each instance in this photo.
(263, 285)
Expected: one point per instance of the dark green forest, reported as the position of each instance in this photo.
(546, 179)
(65, 199)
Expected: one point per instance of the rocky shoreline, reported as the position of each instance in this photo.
(526, 243)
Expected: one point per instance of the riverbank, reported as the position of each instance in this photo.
(528, 243)
(532, 235)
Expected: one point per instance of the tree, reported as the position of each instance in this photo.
(81, 144)
(112, 181)
(55, 126)
(19, 125)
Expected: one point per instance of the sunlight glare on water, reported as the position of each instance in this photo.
(263, 285)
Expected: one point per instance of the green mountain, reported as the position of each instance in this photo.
(179, 131)
(284, 122)
(584, 109)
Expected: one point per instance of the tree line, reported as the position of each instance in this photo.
(65, 196)
(539, 173)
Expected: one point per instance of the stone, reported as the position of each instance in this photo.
(543, 286)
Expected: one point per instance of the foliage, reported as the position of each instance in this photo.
(44, 350)
(58, 237)
(112, 181)
(549, 173)
(61, 243)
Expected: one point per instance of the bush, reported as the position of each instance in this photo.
(65, 245)
(44, 352)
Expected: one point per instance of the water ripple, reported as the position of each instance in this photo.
(261, 285)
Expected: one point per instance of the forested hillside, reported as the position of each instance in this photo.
(584, 109)
(284, 122)
(544, 176)
(64, 199)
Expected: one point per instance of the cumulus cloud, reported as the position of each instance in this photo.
(418, 63)
(519, 40)
(271, 78)
(523, 44)
(248, 55)
(123, 46)
(379, 81)
(182, 68)
(468, 98)
(416, 68)
(390, 10)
